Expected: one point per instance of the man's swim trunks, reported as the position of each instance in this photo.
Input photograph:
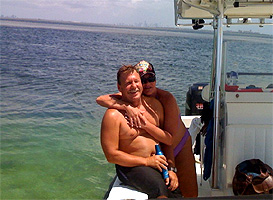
(144, 179)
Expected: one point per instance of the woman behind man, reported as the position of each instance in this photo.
(179, 155)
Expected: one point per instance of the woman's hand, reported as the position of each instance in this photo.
(133, 115)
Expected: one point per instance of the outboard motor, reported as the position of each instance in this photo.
(194, 102)
(194, 106)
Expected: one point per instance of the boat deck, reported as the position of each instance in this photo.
(204, 189)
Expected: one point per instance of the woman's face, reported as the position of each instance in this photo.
(149, 85)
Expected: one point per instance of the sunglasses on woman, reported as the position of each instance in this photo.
(149, 79)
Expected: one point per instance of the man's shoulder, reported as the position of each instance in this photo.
(113, 113)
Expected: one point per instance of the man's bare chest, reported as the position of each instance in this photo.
(129, 132)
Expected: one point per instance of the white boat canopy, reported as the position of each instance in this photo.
(232, 9)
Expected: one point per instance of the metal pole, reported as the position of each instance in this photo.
(216, 131)
(213, 71)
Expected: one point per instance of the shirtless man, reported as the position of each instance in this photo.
(133, 149)
(180, 155)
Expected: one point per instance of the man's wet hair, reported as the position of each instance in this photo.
(125, 69)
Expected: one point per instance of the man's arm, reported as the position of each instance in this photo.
(110, 145)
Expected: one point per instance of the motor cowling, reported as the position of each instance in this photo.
(194, 102)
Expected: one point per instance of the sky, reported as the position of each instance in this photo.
(118, 12)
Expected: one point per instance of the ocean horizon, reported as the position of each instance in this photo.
(73, 25)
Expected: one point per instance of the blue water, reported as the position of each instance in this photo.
(50, 78)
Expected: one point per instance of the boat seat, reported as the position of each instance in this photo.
(245, 142)
(249, 130)
(120, 191)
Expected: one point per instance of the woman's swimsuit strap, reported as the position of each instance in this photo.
(181, 144)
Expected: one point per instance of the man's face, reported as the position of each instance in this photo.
(130, 86)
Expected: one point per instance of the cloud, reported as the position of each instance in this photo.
(96, 11)
(84, 4)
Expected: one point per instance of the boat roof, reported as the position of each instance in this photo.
(206, 9)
